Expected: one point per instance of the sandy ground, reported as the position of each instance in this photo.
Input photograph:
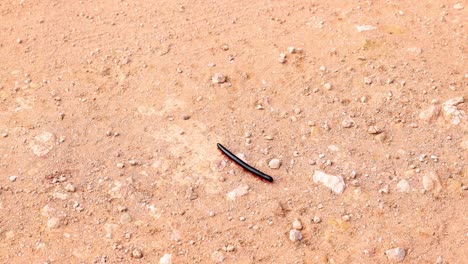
(111, 110)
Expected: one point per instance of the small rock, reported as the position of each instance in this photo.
(335, 183)
(384, 190)
(347, 123)
(240, 191)
(229, 248)
(374, 130)
(327, 86)
(295, 235)
(125, 218)
(42, 144)
(282, 59)
(430, 114)
(381, 137)
(403, 186)
(274, 164)
(396, 254)
(137, 253)
(291, 50)
(133, 162)
(13, 178)
(451, 112)
(166, 259)
(297, 224)
(367, 80)
(53, 223)
(431, 182)
(317, 219)
(120, 165)
(218, 78)
(362, 28)
(70, 188)
(458, 6)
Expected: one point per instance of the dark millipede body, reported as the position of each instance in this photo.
(243, 164)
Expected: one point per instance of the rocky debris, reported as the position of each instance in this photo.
(166, 259)
(362, 28)
(403, 186)
(334, 183)
(282, 58)
(295, 235)
(431, 182)
(451, 112)
(137, 253)
(367, 80)
(291, 50)
(13, 178)
(218, 78)
(297, 224)
(384, 189)
(42, 144)
(274, 164)
(430, 114)
(240, 191)
(327, 86)
(53, 223)
(396, 254)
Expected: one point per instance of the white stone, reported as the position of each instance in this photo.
(13, 178)
(42, 144)
(166, 259)
(218, 78)
(297, 224)
(451, 113)
(396, 254)
(240, 191)
(431, 182)
(403, 186)
(458, 6)
(295, 235)
(362, 28)
(291, 50)
(70, 188)
(274, 164)
(317, 219)
(335, 183)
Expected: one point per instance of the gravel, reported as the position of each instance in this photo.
(297, 224)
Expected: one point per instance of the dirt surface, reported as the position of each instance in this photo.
(111, 110)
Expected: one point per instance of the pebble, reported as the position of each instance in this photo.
(403, 186)
(291, 50)
(431, 182)
(120, 165)
(240, 191)
(218, 78)
(334, 183)
(53, 223)
(451, 112)
(396, 254)
(295, 235)
(362, 28)
(327, 86)
(70, 188)
(297, 224)
(133, 162)
(458, 6)
(274, 164)
(166, 259)
(13, 178)
(367, 80)
(374, 130)
(137, 253)
(217, 257)
(347, 123)
(125, 218)
(430, 114)
(317, 219)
